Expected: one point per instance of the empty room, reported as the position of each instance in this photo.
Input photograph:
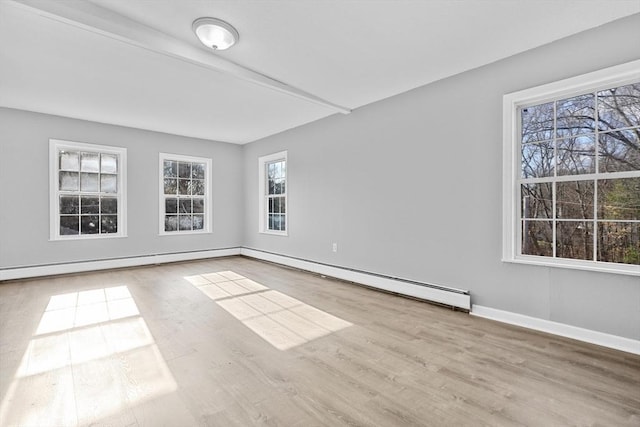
(319, 213)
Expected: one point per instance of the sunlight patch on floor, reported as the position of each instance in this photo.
(279, 319)
(92, 357)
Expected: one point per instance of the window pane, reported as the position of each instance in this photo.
(198, 205)
(108, 163)
(537, 238)
(276, 205)
(185, 222)
(69, 160)
(185, 206)
(271, 171)
(198, 222)
(170, 223)
(89, 224)
(574, 199)
(278, 222)
(69, 225)
(89, 182)
(619, 242)
(270, 208)
(184, 186)
(184, 170)
(171, 205)
(197, 186)
(619, 107)
(537, 200)
(279, 205)
(574, 239)
(537, 160)
(619, 199)
(170, 186)
(537, 122)
(69, 205)
(271, 187)
(89, 205)
(197, 171)
(109, 224)
(277, 186)
(109, 205)
(576, 155)
(69, 181)
(170, 169)
(270, 222)
(109, 183)
(278, 169)
(89, 162)
(619, 151)
(575, 116)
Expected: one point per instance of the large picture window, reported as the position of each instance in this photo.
(87, 187)
(574, 158)
(272, 170)
(184, 194)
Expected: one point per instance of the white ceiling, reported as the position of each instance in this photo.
(137, 63)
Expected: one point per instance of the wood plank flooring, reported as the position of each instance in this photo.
(238, 342)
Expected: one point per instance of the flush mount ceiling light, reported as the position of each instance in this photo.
(215, 33)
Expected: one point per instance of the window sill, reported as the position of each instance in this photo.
(68, 238)
(183, 233)
(602, 267)
(275, 233)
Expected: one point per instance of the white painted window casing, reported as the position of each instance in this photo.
(273, 187)
(184, 194)
(87, 191)
(590, 174)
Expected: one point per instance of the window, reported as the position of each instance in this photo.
(272, 203)
(87, 190)
(572, 172)
(184, 194)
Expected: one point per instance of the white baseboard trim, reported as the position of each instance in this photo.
(82, 266)
(454, 297)
(561, 329)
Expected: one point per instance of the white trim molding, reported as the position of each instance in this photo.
(162, 197)
(56, 147)
(83, 266)
(560, 329)
(511, 210)
(450, 296)
(263, 161)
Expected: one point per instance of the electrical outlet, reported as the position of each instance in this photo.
(335, 247)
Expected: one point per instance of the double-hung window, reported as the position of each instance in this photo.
(572, 172)
(272, 170)
(87, 190)
(185, 198)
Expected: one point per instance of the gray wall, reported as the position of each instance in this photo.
(24, 198)
(411, 186)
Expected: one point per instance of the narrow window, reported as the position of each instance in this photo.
(87, 188)
(272, 170)
(576, 175)
(184, 194)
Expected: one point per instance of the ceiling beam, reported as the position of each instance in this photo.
(91, 17)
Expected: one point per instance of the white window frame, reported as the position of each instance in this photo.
(511, 233)
(55, 146)
(263, 193)
(207, 226)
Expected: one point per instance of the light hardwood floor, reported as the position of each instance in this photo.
(238, 342)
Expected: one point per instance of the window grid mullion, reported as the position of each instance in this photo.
(554, 232)
(596, 149)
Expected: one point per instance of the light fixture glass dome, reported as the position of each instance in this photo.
(215, 33)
